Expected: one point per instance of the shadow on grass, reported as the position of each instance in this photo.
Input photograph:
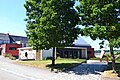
(62, 67)
(117, 66)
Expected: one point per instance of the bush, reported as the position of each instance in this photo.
(10, 56)
(117, 53)
(7, 55)
(49, 58)
(94, 59)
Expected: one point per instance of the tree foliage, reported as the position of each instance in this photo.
(104, 15)
(33, 13)
(101, 19)
(51, 23)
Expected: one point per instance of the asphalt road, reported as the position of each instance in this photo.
(11, 71)
(4, 75)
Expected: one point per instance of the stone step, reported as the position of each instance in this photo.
(97, 62)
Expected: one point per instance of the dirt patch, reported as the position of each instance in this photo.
(110, 74)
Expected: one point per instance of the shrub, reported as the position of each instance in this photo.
(94, 58)
(10, 56)
(117, 53)
(7, 55)
(49, 58)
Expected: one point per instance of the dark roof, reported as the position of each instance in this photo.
(12, 38)
(19, 38)
(4, 37)
(79, 42)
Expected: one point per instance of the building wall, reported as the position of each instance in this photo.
(11, 49)
(30, 53)
(72, 52)
(3, 49)
(90, 52)
(47, 53)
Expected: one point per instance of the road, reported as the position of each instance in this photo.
(8, 76)
(11, 71)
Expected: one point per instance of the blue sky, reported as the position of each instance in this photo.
(12, 15)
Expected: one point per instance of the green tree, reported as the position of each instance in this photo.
(51, 23)
(101, 19)
(33, 13)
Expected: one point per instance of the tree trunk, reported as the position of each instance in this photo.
(37, 57)
(53, 57)
(113, 58)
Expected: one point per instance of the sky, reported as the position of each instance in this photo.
(12, 15)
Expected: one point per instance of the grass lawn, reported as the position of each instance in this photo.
(60, 64)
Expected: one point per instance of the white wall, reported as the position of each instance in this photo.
(31, 54)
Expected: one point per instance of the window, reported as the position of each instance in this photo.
(12, 48)
(6, 41)
(1, 42)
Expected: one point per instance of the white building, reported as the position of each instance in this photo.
(29, 53)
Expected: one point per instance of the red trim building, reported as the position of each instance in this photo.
(10, 49)
(10, 43)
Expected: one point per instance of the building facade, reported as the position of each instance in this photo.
(11, 39)
(81, 49)
(10, 43)
(10, 49)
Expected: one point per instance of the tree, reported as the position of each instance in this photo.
(51, 23)
(33, 13)
(102, 21)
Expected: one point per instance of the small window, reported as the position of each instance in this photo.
(12, 48)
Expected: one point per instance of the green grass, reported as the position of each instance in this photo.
(60, 64)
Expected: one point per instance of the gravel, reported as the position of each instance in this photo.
(72, 76)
